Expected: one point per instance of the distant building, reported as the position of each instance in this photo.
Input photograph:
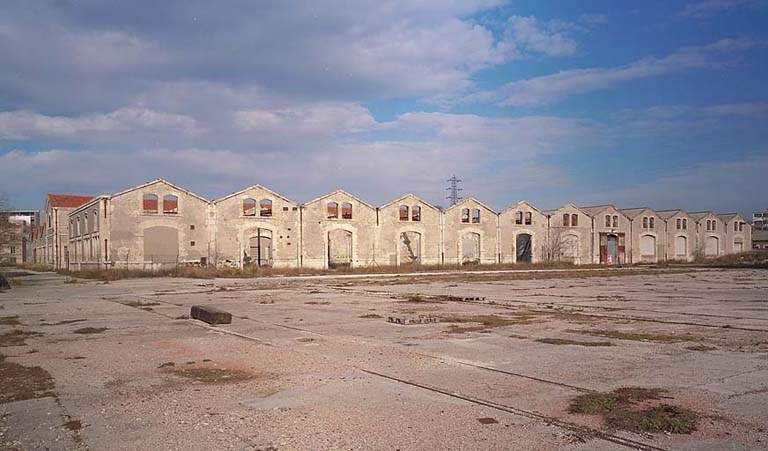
(14, 229)
(760, 220)
(49, 240)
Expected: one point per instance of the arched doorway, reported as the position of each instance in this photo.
(409, 251)
(470, 248)
(339, 248)
(711, 246)
(738, 246)
(569, 248)
(524, 246)
(259, 251)
(681, 247)
(648, 248)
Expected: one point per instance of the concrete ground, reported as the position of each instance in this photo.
(313, 364)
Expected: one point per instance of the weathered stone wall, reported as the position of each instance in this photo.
(517, 221)
(569, 243)
(466, 241)
(404, 241)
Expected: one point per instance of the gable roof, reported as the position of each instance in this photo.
(666, 214)
(632, 213)
(409, 195)
(523, 202)
(156, 181)
(726, 217)
(567, 204)
(88, 204)
(698, 215)
(471, 199)
(597, 209)
(67, 200)
(339, 191)
(256, 186)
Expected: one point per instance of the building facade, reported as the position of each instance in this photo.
(160, 224)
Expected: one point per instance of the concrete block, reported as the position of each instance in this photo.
(411, 319)
(210, 315)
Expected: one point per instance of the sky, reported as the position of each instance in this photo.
(657, 103)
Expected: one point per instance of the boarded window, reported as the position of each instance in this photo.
(615, 221)
(566, 220)
(476, 216)
(249, 207)
(170, 204)
(346, 210)
(574, 220)
(681, 246)
(607, 220)
(149, 203)
(416, 213)
(333, 210)
(647, 246)
(265, 207)
(519, 217)
(403, 212)
(465, 215)
(528, 218)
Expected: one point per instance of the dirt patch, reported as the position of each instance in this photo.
(631, 409)
(140, 304)
(16, 337)
(416, 299)
(21, 382)
(212, 375)
(371, 316)
(90, 330)
(638, 336)
(73, 425)
(611, 298)
(9, 321)
(482, 323)
(562, 341)
(66, 321)
(317, 303)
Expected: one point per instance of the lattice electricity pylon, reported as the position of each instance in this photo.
(453, 190)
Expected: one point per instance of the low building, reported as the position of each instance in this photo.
(610, 231)
(647, 234)
(738, 233)
(569, 235)
(680, 230)
(14, 230)
(760, 239)
(409, 232)
(470, 233)
(51, 239)
(710, 235)
(522, 234)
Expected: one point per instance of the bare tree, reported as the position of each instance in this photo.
(552, 248)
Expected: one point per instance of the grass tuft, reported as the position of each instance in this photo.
(371, 316)
(21, 382)
(663, 418)
(90, 330)
(562, 341)
(638, 336)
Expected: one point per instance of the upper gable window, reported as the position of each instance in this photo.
(709, 225)
(149, 203)
(615, 221)
(403, 212)
(574, 220)
(476, 216)
(249, 207)
(465, 215)
(265, 208)
(519, 217)
(566, 220)
(607, 220)
(645, 222)
(346, 210)
(685, 224)
(714, 225)
(679, 222)
(170, 204)
(528, 218)
(652, 222)
(332, 210)
(416, 213)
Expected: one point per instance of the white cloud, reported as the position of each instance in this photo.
(529, 35)
(551, 88)
(314, 119)
(708, 8)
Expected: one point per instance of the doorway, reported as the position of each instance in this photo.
(339, 249)
(524, 245)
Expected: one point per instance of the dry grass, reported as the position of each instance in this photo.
(90, 330)
(140, 304)
(66, 321)
(9, 321)
(481, 323)
(19, 382)
(371, 316)
(638, 336)
(562, 341)
(16, 337)
(700, 347)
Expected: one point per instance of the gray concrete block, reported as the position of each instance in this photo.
(210, 315)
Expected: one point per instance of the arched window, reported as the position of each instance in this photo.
(265, 208)
(149, 203)
(95, 220)
(607, 220)
(566, 220)
(71, 228)
(709, 225)
(685, 224)
(346, 210)
(714, 225)
(574, 220)
(645, 222)
(615, 221)
(519, 217)
(416, 213)
(465, 215)
(528, 218)
(679, 222)
(476, 216)
(333, 210)
(403, 212)
(652, 222)
(170, 204)
(249, 207)
(86, 229)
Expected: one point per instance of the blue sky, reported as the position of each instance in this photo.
(657, 103)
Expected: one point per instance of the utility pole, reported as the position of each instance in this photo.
(453, 190)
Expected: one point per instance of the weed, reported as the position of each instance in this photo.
(66, 321)
(317, 303)
(700, 348)
(9, 321)
(140, 304)
(73, 425)
(16, 337)
(484, 322)
(637, 336)
(663, 418)
(212, 375)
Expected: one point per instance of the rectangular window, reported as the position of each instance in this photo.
(528, 218)
(191, 227)
(519, 217)
(566, 220)
(651, 223)
(645, 222)
(192, 243)
(678, 223)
